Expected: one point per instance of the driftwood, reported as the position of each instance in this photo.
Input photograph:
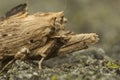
(38, 36)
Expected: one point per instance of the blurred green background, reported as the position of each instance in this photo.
(84, 16)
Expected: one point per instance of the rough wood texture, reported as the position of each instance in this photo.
(38, 35)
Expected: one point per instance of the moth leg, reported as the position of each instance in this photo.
(45, 51)
(19, 55)
(40, 63)
(10, 62)
(22, 53)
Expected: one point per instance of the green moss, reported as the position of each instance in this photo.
(69, 77)
(112, 65)
(54, 77)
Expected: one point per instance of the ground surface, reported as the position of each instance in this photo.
(91, 64)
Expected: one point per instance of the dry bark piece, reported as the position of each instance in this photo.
(42, 35)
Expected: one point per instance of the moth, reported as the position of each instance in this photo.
(38, 36)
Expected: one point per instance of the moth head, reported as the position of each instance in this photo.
(59, 17)
(56, 19)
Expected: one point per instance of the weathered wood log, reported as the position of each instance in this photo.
(24, 36)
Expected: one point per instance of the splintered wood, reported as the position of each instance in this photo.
(38, 36)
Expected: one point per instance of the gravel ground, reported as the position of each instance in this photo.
(90, 64)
